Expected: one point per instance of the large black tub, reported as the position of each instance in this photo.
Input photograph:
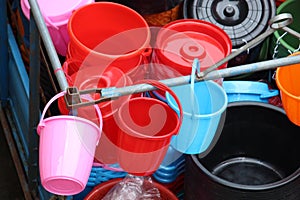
(257, 157)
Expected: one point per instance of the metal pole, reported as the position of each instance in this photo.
(34, 101)
(56, 65)
(254, 67)
(3, 51)
(223, 73)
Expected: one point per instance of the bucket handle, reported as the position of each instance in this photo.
(65, 69)
(269, 94)
(164, 87)
(146, 55)
(61, 94)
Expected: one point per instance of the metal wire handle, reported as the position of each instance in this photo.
(280, 21)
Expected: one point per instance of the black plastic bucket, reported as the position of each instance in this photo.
(255, 158)
(242, 20)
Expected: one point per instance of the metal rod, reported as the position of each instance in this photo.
(223, 73)
(3, 51)
(235, 53)
(56, 65)
(34, 100)
(254, 67)
(292, 32)
(278, 22)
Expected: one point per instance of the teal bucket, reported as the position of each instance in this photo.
(202, 110)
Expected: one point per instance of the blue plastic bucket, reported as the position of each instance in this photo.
(201, 115)
(248, 91)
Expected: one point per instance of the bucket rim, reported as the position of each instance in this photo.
(126, 80)
(111, 183)
(283, 42)
(226, 49)
(196, 22)
(154, 137)
(226, 183)
(282, 89)
(73, 118)
(26, 10)
(276, 33)
(145, 45)
(279, 84)
(257, 88)
(203, 116)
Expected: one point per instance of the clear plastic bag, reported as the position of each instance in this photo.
(134, 188)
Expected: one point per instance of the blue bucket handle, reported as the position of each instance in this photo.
(264, 93)
(269, 94)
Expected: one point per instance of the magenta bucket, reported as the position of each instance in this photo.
(93, 77)
(66, 151)
(56, 14)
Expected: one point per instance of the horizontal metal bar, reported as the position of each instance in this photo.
(56, 65)
(254, 67)
(223, 73)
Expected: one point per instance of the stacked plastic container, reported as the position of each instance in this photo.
(83, 49)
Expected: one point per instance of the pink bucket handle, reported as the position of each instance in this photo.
(61, 94)
(165, 88)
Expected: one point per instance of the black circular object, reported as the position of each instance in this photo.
(256, 157)
(242, 20)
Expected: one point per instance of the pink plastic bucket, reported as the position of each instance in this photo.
(93, 77)
(107, 33)
(146, 126)
(56, 14)
(66, 151)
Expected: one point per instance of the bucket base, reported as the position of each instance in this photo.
(63, 185)
(247, 171)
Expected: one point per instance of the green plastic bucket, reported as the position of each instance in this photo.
(286, 44)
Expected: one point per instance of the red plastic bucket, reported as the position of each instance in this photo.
(180, 42)
(102, 189)
(90, 77)
(146, 126)
(105, 33)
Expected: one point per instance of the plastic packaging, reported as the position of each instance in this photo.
(134, 188)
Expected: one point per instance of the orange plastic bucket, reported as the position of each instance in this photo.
(105, 33)
(146, 126)
(288, 82)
